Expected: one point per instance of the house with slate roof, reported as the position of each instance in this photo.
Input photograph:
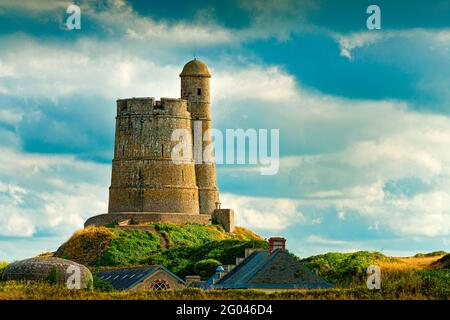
(275, 269)
(155, 277)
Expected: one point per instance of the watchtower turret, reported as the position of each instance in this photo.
(195, 88)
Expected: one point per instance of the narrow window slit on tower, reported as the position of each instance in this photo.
(162, 150)
(199, 91)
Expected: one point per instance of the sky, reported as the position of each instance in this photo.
(363, 115)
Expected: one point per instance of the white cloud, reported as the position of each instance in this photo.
(6, 70)
(263, 213)
(180, 34)
(111, 71)
(268, 84)
(361, 146)
(349, 42)
(15, 223)
(10, 116)
(316, 239)
(119, 19)
(35, 6)
(84, 68)
(35, 203)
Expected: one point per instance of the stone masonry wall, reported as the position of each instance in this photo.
(143, 218)
(225, 217)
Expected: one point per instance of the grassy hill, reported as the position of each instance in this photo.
(183, 249)
(344, 269)
(443, 263)
(419, 277)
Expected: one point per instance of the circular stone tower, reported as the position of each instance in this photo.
(195, 88)
(144, 177)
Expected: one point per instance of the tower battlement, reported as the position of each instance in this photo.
(151, 106)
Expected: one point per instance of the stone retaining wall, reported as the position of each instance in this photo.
(142, 218)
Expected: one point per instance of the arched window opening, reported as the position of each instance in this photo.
(159, 285)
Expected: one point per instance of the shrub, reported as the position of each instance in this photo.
(3, 265)
(443, 262)
(436, 283)
(86, 245)
(129, 247)
(206, 268)
(430, 254)
(191, 234)
(182, 259)
(102, 285)
(342, 269)
(52, 275)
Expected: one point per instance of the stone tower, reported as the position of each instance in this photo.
(146, 184)
(144, 177)
(195, 88)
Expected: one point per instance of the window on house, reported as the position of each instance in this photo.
(199, 92)
(160, 285)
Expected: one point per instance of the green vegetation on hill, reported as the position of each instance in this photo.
(407, 277)
(128, 247)
(3, 265)
(182, 259)
(179, 248)
(430, 254)
(436, 283)
(343, 268)
(204, 268)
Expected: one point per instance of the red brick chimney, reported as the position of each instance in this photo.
(277, 243)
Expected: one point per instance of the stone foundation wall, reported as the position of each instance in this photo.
(142, 218)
